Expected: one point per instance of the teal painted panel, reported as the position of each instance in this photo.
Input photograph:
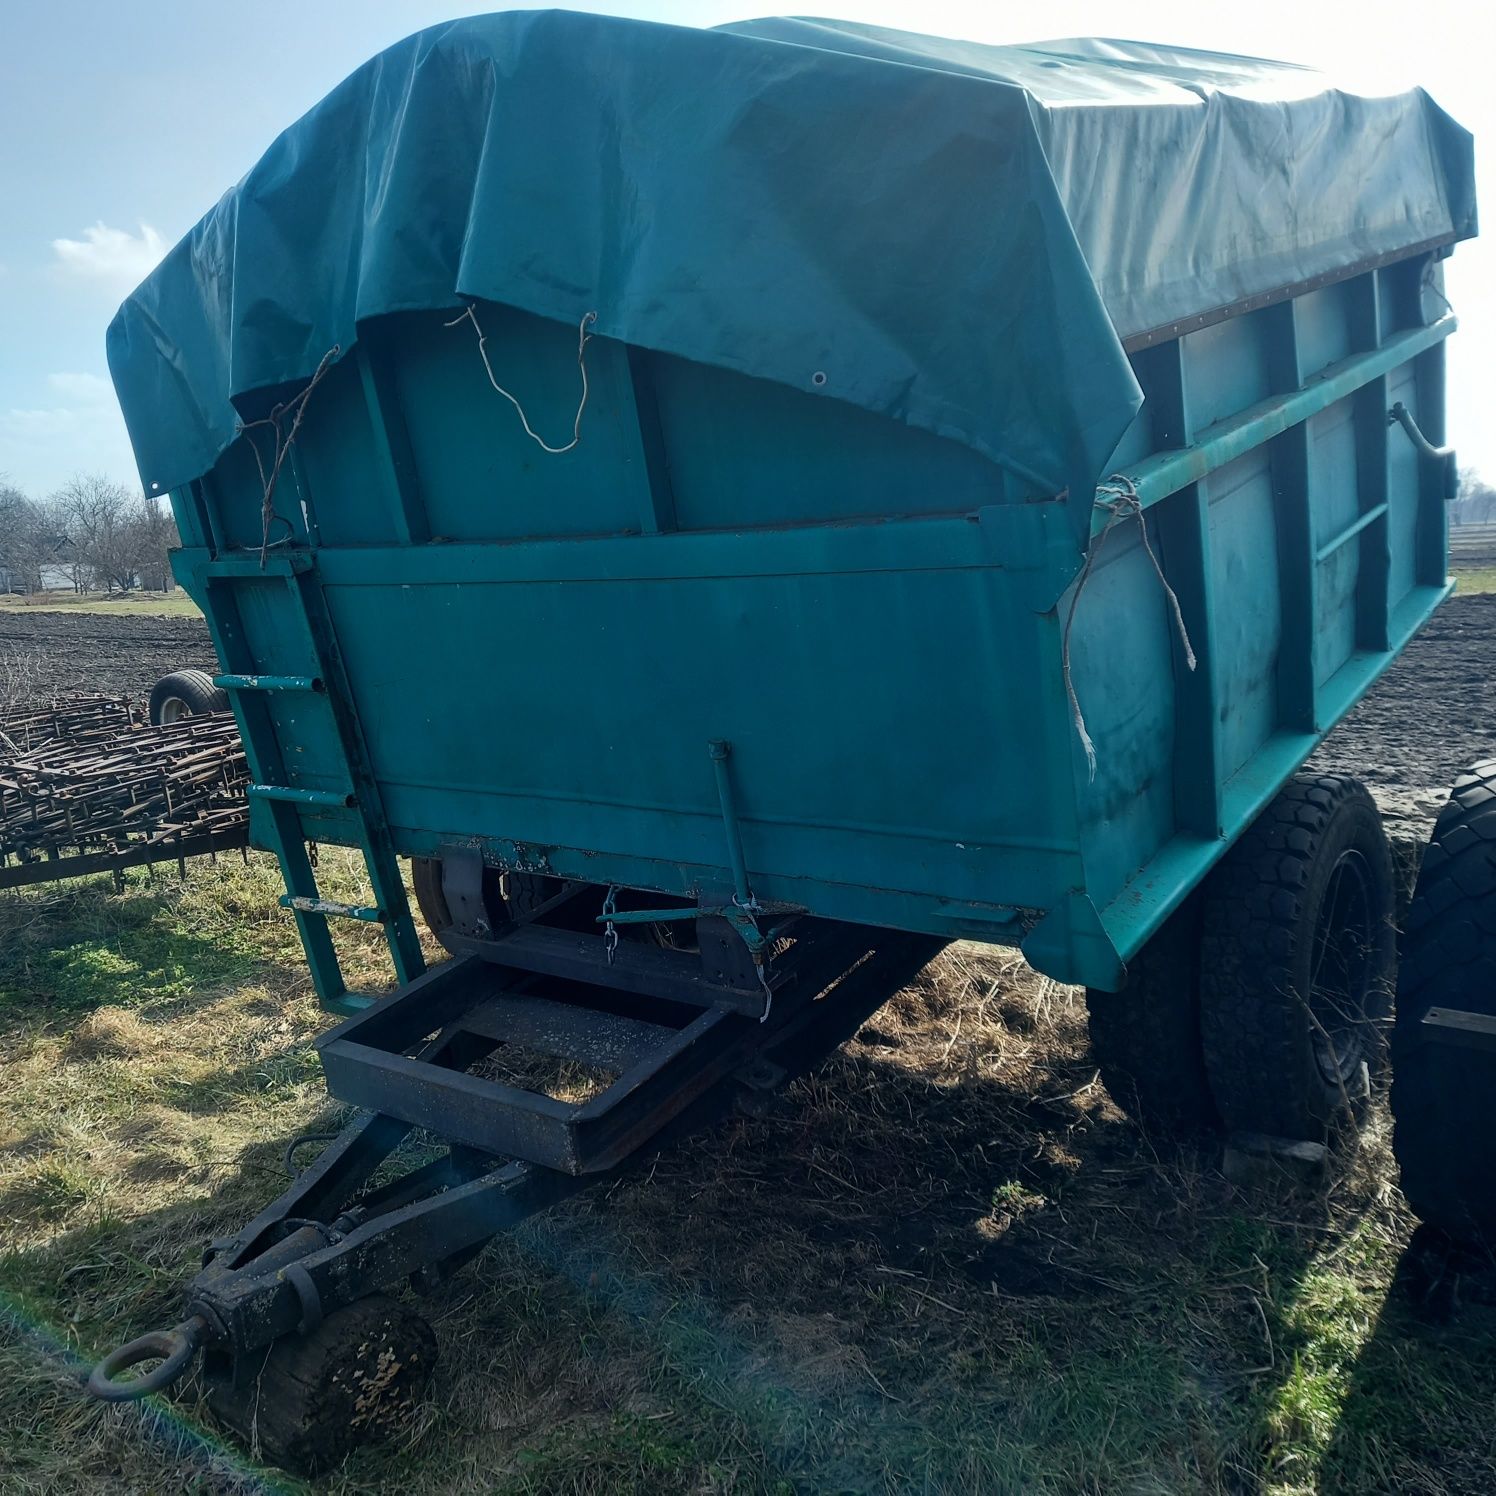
(1248, 615)
(1335, 611)
(1335, 504)
(745, 452)
(1403, 502)
(1226, 368)
(1322, 322)
(578, 716)
(234, 492)
(336, 456)
(862, 609)
(1334, 489)
(1123, 670)
(1401, 294)
(480, 476)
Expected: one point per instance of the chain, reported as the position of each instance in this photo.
(610, 930)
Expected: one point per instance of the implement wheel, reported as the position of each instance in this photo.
(1298, 957)
(185, 693)
(356, 1379)
(1146, 1038)
(1444, 1124)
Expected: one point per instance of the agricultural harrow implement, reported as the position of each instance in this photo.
(88, 786)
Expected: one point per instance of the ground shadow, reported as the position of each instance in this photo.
(984, 1279)
(1430, 1364)
(981, 1283)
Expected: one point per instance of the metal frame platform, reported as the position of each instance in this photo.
(505, 1152)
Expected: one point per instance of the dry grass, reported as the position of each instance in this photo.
(944, 1263)
(175, 604)
(1474, 578)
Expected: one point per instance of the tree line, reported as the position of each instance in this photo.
(1476, 502)
(93, 534)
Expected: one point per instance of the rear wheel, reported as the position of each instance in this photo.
(1146, 1038)
(1444, 1131)
(1298, 958)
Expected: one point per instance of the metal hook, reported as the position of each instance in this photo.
(176, 1348)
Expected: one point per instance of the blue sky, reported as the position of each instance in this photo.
(123, 121)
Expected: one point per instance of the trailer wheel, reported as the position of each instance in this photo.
(1146, 1038)
(1298, 956)
(355, 1379)
(185, 693)
(1444, 1132)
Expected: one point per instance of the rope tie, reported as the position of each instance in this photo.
(583, 338)
(1119, 497)
(281, 445)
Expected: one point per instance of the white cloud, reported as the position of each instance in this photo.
(82, 389)
(114, 255)
(80, 430)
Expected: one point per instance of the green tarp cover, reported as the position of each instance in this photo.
(955, 236)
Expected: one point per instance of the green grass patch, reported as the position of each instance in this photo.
(174, 604)
(121, 951)
(1475, 578)
(945, 1263)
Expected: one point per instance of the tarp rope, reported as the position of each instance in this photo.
(583, 338)
(1119, 497)
(281, 441)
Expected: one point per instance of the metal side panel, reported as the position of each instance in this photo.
(1304, 537)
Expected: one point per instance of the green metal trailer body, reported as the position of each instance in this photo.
(439, 635)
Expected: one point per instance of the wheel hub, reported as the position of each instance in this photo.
(1342, 969)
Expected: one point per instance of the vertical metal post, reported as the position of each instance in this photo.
(1432, 534)
(720, 751)
(1374, 561)
(1293, 499)
(658, 511)
(1183, 526)
(391, 444)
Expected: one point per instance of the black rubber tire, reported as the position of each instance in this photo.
(356, 1379)
(185, 693)
(1145, 1039)
(1443, 1098)
(1284, 1049)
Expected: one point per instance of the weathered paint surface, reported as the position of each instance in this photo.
(530, 653)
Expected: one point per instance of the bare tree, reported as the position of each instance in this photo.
(22, 539)
(119, 537)
(1476, 503)
(153, 536)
